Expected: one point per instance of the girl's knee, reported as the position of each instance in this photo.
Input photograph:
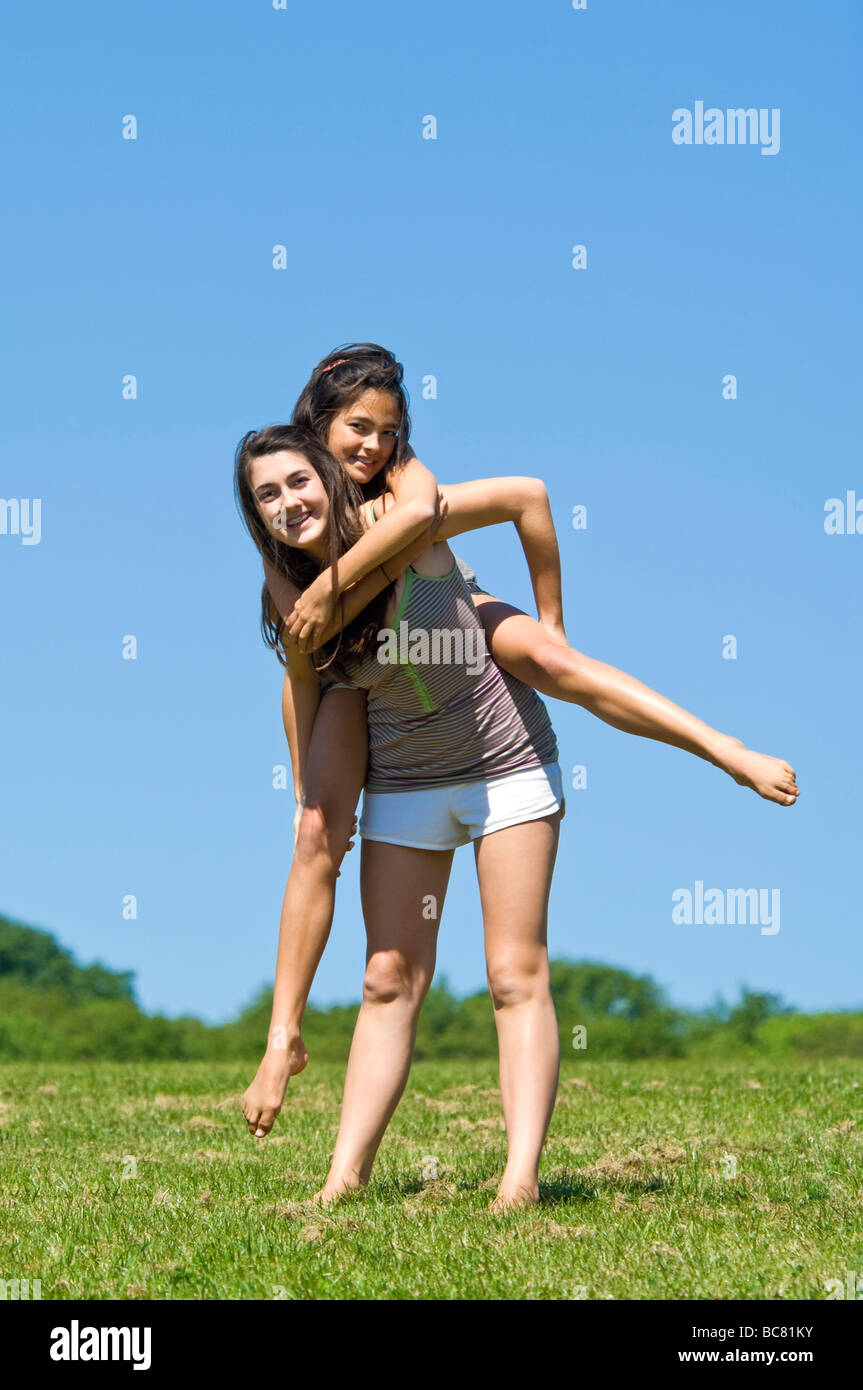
(321, 837)
(512, 981)
(391, 976)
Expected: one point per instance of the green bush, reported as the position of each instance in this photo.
(51, 1007)
(813, 1035)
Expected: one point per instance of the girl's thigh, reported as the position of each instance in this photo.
(403, 893)
(337, 758)
(514, 868)
(515, 640)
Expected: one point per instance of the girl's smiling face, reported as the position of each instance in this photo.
(363, 436)
(292, 500)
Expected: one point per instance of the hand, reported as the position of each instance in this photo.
(311, 613)
(440, 516)
(350, 844)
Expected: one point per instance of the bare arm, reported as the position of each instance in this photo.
(415, 492)
(301, 694)
(523, 501)
(284, 594)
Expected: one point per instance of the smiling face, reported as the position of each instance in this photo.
(292, 500)
(363, 436)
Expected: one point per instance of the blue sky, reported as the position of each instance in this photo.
(153, 257)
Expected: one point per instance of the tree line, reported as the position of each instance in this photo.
(53, 1008)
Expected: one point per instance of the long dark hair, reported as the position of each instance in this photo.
(359, 637)
(338, 380)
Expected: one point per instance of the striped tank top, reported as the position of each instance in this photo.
(440, 711)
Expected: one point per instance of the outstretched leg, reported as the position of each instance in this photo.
(400, 886)
(335, 772)
(525, 649)
(514, 867)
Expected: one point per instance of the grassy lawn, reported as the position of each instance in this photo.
(660, 1180)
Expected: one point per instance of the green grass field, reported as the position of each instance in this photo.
(660, 1180)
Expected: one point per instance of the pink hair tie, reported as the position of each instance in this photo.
(333, 364)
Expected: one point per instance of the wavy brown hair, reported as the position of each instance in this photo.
(359, 638)
(338, 380)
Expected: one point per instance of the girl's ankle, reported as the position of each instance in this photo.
(283, 1052)
(340, 1181)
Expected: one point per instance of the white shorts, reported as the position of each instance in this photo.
(446, 817)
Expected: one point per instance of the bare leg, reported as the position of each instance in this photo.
(335, 772)
(400, 959)
(526, 650)
(514, 867)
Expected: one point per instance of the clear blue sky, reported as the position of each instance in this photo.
(705, 516)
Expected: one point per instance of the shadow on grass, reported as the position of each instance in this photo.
(563, 1189)
(407, 1187)
(575, 1187)
(567, 1188)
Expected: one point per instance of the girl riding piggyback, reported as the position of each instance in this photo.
(355, 405)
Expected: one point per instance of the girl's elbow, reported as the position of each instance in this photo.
(530, 493)
(424, 510)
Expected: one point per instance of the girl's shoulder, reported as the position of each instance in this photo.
(434, 563)
(376, 507)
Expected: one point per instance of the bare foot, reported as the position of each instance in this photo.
(513, 1196)
(336, 1188)
(263, 1100)
(772, 778)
